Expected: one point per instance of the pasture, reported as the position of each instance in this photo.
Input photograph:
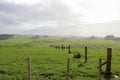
(49, 63)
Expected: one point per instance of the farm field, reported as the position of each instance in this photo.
(49, 63)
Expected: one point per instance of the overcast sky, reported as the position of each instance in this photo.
(60, 17)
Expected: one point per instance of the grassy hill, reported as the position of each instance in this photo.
(49, 63)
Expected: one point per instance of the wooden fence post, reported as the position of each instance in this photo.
(68, 66)
(69, 50)
(100, 69)
(29, 68)
(0, 46)
(58, 47)
(85, 54)
(62, 47)
(108, 65)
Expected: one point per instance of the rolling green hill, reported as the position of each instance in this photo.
(49, 63)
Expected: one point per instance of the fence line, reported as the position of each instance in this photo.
(107, 62)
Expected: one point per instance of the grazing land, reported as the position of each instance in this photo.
(49, 63)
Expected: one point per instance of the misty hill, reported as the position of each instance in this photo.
(40, 40)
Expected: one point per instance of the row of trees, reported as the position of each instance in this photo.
(112, 37)
(107, 37)
(5, 36)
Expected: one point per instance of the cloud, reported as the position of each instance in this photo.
(55, 10)
(55, 15)
(19, 13)
(28, 2)
(61, 30)
(60, 17)
(100, 11)
(101, 29)
(98, 29)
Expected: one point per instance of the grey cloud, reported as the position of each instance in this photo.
(65, 21)
(13, 15)
(6, 19)
(52, 11)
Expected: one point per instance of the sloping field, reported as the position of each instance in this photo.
(49, 63)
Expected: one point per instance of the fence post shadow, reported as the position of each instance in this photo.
(107, 77)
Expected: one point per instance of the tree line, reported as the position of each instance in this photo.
(5, 36)
(107, 37)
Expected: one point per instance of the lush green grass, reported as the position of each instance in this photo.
(49, 63)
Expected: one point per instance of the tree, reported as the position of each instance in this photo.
(109, 37)
(35, 38)
(5, 36)
(92, 37)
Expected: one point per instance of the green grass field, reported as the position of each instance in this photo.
(49, 63)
